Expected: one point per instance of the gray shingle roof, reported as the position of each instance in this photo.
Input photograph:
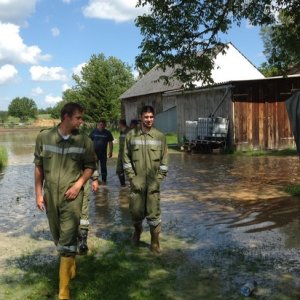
(149, 84)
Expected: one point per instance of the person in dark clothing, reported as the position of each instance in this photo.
(133, 123)
(102, 139)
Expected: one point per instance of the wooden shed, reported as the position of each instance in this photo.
(256, 110)
(253, 104)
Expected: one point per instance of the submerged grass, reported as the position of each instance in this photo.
(3, 157)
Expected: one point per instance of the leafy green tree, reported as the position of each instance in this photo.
(268, 70)
(185, 35)
(99, 86)
(23, 108)
(3, 116)
(282, 40)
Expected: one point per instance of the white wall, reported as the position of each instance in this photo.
(232, 66)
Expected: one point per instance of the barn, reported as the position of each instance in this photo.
(253, 104)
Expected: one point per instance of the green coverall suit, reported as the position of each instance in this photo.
(120, 169)
(145, 164)
(63, 162)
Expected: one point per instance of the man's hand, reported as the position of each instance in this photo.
(40, 203)
(95, 185)
(73, 191)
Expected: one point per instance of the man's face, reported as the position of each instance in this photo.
(101, 126)
(75, 121)
(147, 119)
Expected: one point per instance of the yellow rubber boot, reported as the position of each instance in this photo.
(67, 271)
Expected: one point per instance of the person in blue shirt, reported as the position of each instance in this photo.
(102, 139)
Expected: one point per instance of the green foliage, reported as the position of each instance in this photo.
(185, 34)
(3, 157)
(268, 70)
(23, 108)
(3, 116)
(282, 39)
(47, 110)
(98, 88)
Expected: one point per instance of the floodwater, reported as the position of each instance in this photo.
(224, 212)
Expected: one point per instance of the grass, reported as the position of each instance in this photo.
(3, 157)
(293, 190)
(284, 152)
(112, 270)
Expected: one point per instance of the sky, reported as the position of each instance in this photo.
(44, 42)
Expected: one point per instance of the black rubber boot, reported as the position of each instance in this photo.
(122, 179)
(82, 238)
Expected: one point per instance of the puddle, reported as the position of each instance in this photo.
(223, 212)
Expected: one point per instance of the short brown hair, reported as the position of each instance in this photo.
(70, 108)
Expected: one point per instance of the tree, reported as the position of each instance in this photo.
(23, 108)
(282, 40)
(184, 35)
(99, 86)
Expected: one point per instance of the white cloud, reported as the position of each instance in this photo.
(65, 87)
(77, 70)
(52, 100)
(16, 11)
(117, 10)
(7, 74)
(39, 73)
(12, 48)
(37, 91)
(67, 1)
(55, 31)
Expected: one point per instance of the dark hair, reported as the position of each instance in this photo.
(147, 109)
(134, 122)
(70, 108)
(102, 121)
(122, 122)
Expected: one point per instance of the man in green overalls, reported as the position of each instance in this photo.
(120, 170)
(145, 164)
(84, 218)
(64, 161)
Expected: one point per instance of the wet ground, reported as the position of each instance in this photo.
(225, 213)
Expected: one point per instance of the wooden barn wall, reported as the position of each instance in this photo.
(259, 114)
(132, 106)
(202, 103)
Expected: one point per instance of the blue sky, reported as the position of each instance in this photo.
(43, 42)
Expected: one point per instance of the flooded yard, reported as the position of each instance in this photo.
(226, 221)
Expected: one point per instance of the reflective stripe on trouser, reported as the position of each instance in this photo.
(84, 218)
(63, 217)
(145, 204)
